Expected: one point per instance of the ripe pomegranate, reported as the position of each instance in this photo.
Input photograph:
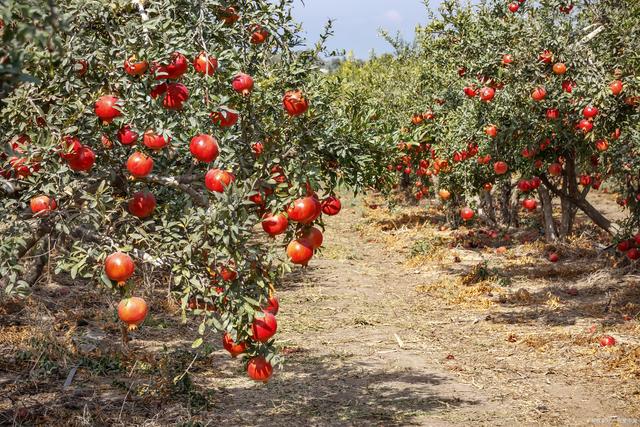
(139, 164)
(205, 64)
(302, 210)
(175, 69)
(257, 148)
(227, 273)
(513, 7)
(234, 349)
(273, 305)
(633, 254)
(154, 141)
(132, 311)
(585, 126)
(204, 148)
(602, 145)
(546, 56)
(300, 251)
(487, 94)
(524, 186)
(585, 180)
(607, 341)
(135, 68)
(259, 369)
(84, 161)
(275, 224)
(263, 328)
(41, 205)
(294, 102)
(554, 257)
(105, 108)
(568, 85)
(625, 245)
(217, 180)
(500, 168)
(444, 194)
(71, 146)
(590, 112)
(470, 92)
(616, 87)
(553, 113)
(258, 34)
(467, 214)
(530, 204)
(229, 15)
(313, 235)
(119, 267)
(242, 83)
(491, 130)
(175, 95)
(126, 136)
(507, 59)
(331, 206)
(555, 169)
(142, 204)
(559, 68)
(225, 118)
(539, 94)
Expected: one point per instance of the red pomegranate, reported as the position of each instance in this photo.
(313, 235)
(204, 148)
(205, 64)
(84, 161)
(175, 95)
(154, 141)
(487, 94)
(105, 108)
(132, 311)
(555, 169)
(294, 102)
(590, 112)
(300, 251)
(616, 87)
(259, 369)
(217, 180)
(139, 164)
(585, 126)
(302, 210)
(500, 168)
(265, 327)
(242, 83)
(539, 94)
(142, 204)
(331, 206)
(467, 214)
(491, 130)
(273, 305)
(554, 257)
(126, 136)
(175, 69)
(225, 118)
(607, 341)
(134, 67)
(553, 113)
(41, 205)
(119, 267)
(230, 345)
(530, 204)
(258, 34)
(275, 224)
(71, 146)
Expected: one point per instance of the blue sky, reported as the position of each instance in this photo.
(357, 21)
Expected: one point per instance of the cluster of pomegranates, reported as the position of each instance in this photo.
(119, 268)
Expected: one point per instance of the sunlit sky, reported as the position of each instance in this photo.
(357, 21)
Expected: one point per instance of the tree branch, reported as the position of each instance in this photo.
(180, 183)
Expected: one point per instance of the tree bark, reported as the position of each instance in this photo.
(550, 229)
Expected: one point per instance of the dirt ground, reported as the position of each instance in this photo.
(396, 323)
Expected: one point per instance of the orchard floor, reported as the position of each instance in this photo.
(395, 323)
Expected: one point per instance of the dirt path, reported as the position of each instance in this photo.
(381, 330)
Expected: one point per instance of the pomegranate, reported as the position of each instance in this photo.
(444, 194)
(139, 164)
(568, 85)
(539, 94)
(585, 126)
(224, 118)
(204, 148)
(275, 224)
(616, 87)
(263, 328)
(313, 235)
(467, 214)
(546, 56)
(41, 205)
(154, 141)
(205, 64)
(175, 95)
(259, 369)
(142, 204)
(175, 69)
(554, 257)
(331, 206)
(530, 204)
(513, 7)
(229, 15)
(135, 68)
(216, 180)
(242, 83)
(230, 345)
(302, 210)
(633, 254)
(607, 341)
(132, 311)
(487, 94)
(507, 59)
(71, 146)
(273, 305)
(500, 168)
(590, 112)
(300, 251)
(258, 34)
(105, 108)
(553, 113)
(126, 136)
(119, 267)
(294, 102)
(555, 169)
(81, 67)
(559, 68)
(84, 161)
(491, 131)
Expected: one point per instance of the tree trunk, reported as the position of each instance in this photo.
(550, 229)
